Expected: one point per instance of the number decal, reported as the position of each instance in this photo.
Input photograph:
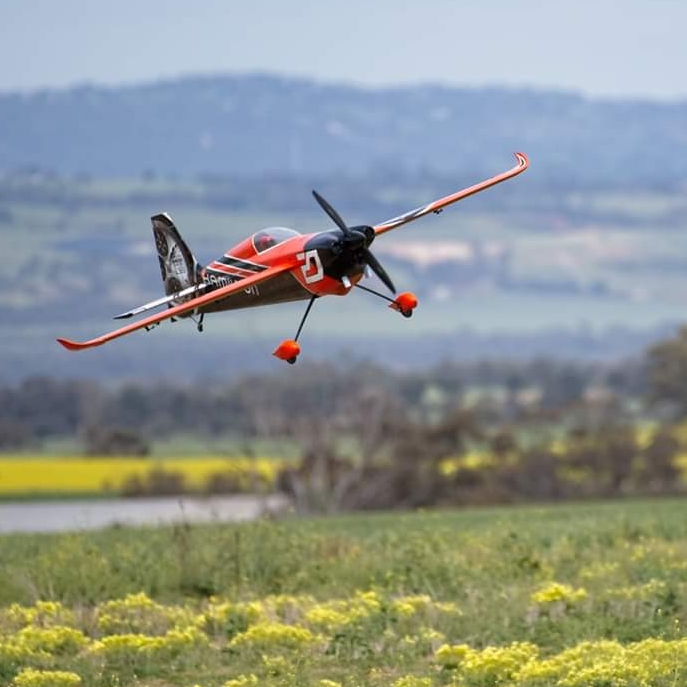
(312, 266)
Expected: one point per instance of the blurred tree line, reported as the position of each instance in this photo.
(370, 437)
(278, 405)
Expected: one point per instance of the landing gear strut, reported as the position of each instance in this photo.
(199, 321)
(289, 349)
(404, 303)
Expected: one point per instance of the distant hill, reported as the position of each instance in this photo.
(261, 124)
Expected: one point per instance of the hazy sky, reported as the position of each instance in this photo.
(610, 48)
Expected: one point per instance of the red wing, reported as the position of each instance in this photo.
(217, 294)
(437, 205)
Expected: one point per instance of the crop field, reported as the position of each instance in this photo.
(22, 475)
(585, 595)
(44, 475)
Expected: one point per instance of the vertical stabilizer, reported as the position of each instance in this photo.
(178, 266)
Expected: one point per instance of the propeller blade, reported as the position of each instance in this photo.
(356, 239)
(336, 217)
(377, 268)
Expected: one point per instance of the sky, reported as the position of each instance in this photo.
(601, 48)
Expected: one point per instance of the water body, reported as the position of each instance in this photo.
(74, 515)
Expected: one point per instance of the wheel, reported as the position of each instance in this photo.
(200, 327)
(407, 313)
(291, 361)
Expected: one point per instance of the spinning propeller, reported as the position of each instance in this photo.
(355, 242)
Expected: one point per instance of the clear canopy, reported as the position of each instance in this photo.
(266, 238)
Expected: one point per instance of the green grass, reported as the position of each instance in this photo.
(181, 446)
(477, 572)
(187, 445)
(442, 553)
(451, 555)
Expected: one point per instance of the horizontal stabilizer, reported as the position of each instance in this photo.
(190, 291)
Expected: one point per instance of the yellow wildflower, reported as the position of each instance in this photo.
(326, 617)
(413, 681)
(137, 613)
(495, 665)
(175, 642)
(451, 656)
(46, 678)
(42, 614)
(53, 640)
(558, 593)
(599, 571)
(242, 681)
(266, 635)
(652, 589)
(409, 605)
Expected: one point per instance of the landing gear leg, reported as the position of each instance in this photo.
(289, 349)
(199, 321)
(375, 293)
(404, 303)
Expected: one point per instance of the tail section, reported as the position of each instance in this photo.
(179, 268)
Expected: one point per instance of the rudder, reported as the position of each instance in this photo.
(178, 266)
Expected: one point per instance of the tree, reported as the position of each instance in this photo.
(667, 372)
(605, 455)
(396, 461)
(659, 472)
(14, 435)
(114, 441)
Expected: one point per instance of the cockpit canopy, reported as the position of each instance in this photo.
(267, 238)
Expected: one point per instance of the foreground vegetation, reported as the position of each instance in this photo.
(530, 597)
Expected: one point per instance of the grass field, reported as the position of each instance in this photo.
(576, 596)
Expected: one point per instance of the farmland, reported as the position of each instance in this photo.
(582, 594)
(22, 475)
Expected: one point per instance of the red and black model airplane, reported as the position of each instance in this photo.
(276, 265)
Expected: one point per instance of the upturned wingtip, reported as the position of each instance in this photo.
(522, 159)
(69, 345)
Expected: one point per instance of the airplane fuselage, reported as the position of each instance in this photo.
(321, 272)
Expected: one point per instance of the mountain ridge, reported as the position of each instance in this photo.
(262, 123)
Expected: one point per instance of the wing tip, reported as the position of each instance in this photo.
(523, 160)
(70, 345)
